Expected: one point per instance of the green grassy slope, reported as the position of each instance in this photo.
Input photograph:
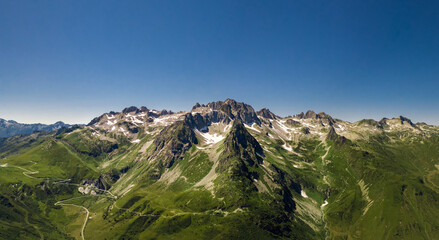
(383, 189)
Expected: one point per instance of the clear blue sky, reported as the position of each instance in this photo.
(74, 60)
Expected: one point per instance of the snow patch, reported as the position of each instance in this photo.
(135, 120)
(165, 120)
(135, 141)
(325, 203)
(303, 193)
(284, 128)
(288, 148)
(210, 138)
(308, 125)
(252, 127)
(341, 127)
(111, 122)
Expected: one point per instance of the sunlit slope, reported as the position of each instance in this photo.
(384, 188)
(222, 171)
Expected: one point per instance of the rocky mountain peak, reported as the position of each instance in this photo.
(144, 109)
(173, 142)
(406, 120)
(240, 145)
(196, 121)
(236, 110)
(266, 113)
(131, 109)
(310, 114)
(323, 118)
(197, 105)
(397, 120)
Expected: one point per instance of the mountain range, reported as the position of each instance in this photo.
(11, 128)
(222, 171)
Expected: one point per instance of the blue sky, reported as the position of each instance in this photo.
(74, 60)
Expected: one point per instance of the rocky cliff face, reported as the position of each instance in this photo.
(323, 118)
(172, 143)
(333, 136)
(266, 113)
(241, 150)
(228, 110)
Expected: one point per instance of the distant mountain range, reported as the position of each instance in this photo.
(11, 128)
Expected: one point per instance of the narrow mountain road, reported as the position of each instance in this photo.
(86, 211)
(26, 171)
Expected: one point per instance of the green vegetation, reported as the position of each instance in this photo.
(169, 183)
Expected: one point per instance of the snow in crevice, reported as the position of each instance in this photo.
(284, 128)
(201, 111)
(302, 121)
(325, 203)
(111, 122)
(227, 128)
(210, 138)
(251, 126)
(339, 126)
(303, 193)
(288, 148)
(125, 132)
(110, 117)
(135, 120)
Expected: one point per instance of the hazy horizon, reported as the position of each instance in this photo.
(71, 61)
(89, 117)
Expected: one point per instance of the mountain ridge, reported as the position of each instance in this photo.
(9, 128)
(223, 170)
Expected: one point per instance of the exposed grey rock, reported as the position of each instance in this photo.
(266, 113)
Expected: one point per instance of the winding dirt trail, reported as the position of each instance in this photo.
(86, 216)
